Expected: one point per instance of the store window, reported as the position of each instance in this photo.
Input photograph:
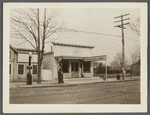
(65, 66)
(87, 66)
(20, 69)
(34, 69)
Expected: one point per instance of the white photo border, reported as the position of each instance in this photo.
(75, 108)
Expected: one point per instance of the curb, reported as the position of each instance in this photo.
(67, 85)
(108, 82)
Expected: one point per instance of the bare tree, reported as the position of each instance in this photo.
(35, 26)
(117, 62)
(135, 26)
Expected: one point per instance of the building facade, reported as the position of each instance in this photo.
(19, 59)
(76, 60)
(12, 62)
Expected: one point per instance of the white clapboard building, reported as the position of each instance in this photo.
(77, 60)
(18, 62)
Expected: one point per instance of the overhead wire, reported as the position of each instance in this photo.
(101, 34)
(96, 33)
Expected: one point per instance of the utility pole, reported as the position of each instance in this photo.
(122, 27)
(38, 48)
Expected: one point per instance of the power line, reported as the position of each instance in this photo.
(90, 33)
(93, 33)
(87, 32)
(101, 34)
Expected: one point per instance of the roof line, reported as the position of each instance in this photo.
(79, 56)
(13, 48)
(25, 49)
(69, 44)
(50, 52)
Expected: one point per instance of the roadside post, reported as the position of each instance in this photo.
(106, 68)
(60, 71)
(29, 75)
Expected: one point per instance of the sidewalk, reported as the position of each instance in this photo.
(70, 82)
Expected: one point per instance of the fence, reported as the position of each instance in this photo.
(46, 75)
(111, 75)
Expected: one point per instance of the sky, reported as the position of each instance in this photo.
(96, 20)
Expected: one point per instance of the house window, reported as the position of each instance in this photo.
(87, 66)
(65, 66)
(34, 69)
(20, 69)
(9, 68)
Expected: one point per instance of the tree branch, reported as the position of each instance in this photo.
(25, 38)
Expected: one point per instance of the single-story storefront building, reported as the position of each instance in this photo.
(76, 60)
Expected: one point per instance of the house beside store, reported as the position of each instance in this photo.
(12, 62)
(18, 62)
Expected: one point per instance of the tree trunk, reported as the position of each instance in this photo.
(39, 69)
(39, 74)
(38, 50)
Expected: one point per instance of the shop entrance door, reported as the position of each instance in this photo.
(74, 69)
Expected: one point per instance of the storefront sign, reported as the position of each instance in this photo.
(96, 58)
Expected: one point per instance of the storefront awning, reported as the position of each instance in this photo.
(93, 58)
(69, 57)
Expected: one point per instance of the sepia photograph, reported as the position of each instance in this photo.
(77, 57)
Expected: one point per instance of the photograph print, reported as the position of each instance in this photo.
(80, 55)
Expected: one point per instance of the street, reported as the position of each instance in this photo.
(99, 93)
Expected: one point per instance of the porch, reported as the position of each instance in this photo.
(77, 68)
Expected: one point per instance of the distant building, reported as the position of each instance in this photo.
(136, 68)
